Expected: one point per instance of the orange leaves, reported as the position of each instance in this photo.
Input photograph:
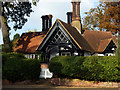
(106, 16)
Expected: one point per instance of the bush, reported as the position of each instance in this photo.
(88, 68)
(12, 55)
(110, 69)
(17, 68)
(57, 68)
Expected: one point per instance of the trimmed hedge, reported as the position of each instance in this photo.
(86, 68)
(17, 68)
(12, 55)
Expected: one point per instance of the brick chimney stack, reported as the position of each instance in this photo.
(74, 11)
(78, 10)
(76, 20)
(46, 22)
(69, 17)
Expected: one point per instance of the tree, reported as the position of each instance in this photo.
(15, 12)
(15, 39)
(105, 17)
(93, 20)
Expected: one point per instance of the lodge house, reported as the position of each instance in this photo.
(63, 38)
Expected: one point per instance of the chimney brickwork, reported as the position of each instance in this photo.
(69, 17)
(74, 11)
(76, 20)
(46, 22)
(78, 11)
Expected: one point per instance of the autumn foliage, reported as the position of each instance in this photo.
(105, 17)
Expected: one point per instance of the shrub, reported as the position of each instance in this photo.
(110, 69)
(17, 68)
(12, 55)
(57, 68)
(6, 56)
(88, 68)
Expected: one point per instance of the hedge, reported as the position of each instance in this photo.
(86, 68)
(16, 67)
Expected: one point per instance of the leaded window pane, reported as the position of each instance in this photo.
(59, 32)
(59, 37)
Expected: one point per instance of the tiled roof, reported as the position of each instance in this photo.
(29, 42)
(98, 40)
(77, 37)
(103, 44)
(93, 41)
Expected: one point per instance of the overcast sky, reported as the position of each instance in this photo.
(58, 8)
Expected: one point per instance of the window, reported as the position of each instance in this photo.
(59, 37)
(62, 48)
(26, 55)
(75, 53)
(30, 55)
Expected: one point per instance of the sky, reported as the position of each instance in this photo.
(58, 8)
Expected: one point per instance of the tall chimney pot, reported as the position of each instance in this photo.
(69, 17)
(76, 22)
(46, 22)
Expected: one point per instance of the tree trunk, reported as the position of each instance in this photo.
(5, 30)
(5, 33)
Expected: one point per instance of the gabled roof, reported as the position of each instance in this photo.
(98, 40)
(77, 37)
(29, 42)
(93, 41)
(73, 33)
(103, 44)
